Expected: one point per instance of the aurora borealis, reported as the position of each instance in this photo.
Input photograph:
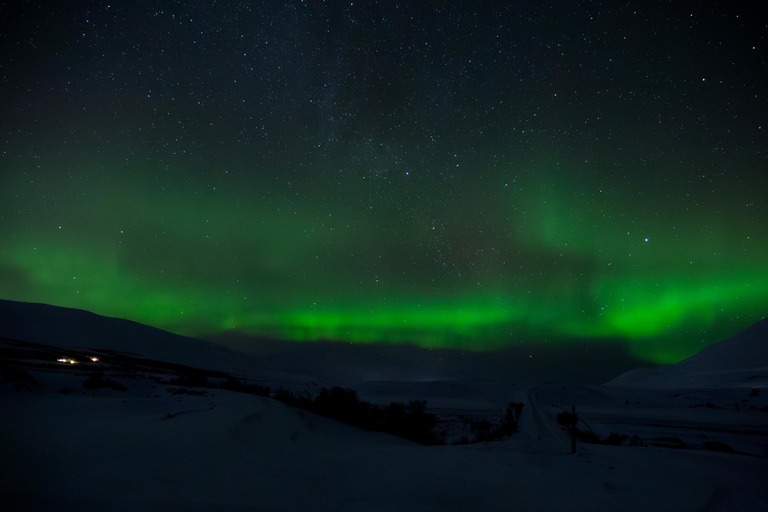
(449, 174)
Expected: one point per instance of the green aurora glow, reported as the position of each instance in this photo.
(525, 203)
(280, 278)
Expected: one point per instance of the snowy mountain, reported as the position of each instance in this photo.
(76, 329)
(745, 350)
(739, 361)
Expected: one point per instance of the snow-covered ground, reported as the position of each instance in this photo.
(142, 441)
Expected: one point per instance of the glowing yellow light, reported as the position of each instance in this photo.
(94, 359)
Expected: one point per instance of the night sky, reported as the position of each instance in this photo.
(446, 173)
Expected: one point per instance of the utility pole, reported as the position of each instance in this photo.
(573, 430)
(569, 419)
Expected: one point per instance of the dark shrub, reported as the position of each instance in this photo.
(239, 386)
(717, 446)
(11, 373)
(191, 380)
(411, 422)
(98, 382)
(615, 439)
(587, 437)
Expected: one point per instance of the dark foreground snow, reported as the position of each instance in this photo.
(230, 451)
(144, 442)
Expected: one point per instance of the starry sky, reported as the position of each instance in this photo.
(457, 174)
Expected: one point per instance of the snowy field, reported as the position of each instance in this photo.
(693, 437)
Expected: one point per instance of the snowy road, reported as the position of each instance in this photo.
(538, 426)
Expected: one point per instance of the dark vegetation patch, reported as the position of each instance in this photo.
(410, 421)
(18, 378)
(237, 385)
(668, 442)
(97, 381)
(708, 405)
(717, 446)
(15, 374)
(613, 439)
(484, 431)
(192, 380)
(200, 379)
(186, 391)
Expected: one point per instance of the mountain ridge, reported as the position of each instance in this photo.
(738, 361)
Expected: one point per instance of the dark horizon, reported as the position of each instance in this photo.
(586, 362)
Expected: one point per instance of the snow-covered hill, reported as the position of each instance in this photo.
(739, 361)
(76, 329)
(747, 349)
